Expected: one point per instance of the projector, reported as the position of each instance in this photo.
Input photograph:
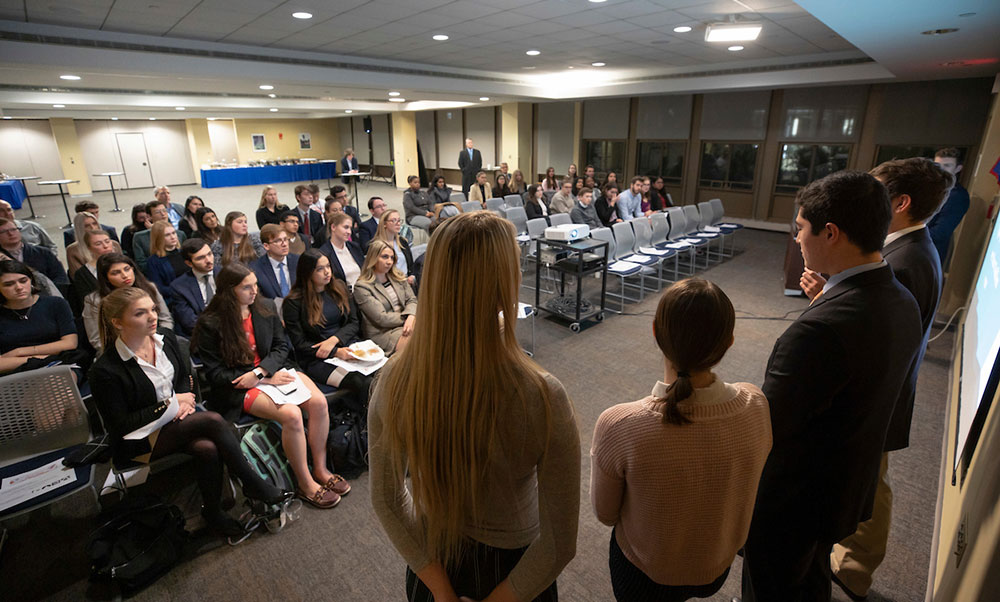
(567, 232)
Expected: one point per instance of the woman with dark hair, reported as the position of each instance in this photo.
(140, 221)
(612, 178)
(439, 192)
(34, 330)
(502, 187)
(534, 203)
(188, 223)
(145, 375)
(115, 271)
(658, 198)
(237, 243)
(209, 229)
(686, 512)
(242, 343)
(549, 181)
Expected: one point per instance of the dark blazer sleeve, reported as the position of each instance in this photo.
(351, 330)
(218, 373)
(123, 407)
(269, 332)
(180, 359)
(185, 312)
(463, 159)
(477, 159)
(299, 332)
(111, 232)
(408, 254)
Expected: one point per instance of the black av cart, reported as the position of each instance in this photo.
(576, 259)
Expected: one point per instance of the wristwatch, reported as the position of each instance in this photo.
(258, 373)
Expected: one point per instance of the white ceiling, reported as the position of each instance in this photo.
(353, 51)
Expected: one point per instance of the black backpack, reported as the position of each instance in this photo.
(261, 445)
(138, 542)
(347, 445)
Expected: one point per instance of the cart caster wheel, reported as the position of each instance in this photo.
(575, 327)
(600, 316)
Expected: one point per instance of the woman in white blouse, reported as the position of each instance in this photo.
(344, 254)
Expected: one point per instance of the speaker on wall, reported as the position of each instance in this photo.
(368, 124)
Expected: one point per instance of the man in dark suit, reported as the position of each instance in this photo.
(470, 161)
(310, 221)
(192, 290)
(832, 383)
(348, 164)
(275, 269)
(368, 228)
(36, 257)
(917, 187)
(944, 222)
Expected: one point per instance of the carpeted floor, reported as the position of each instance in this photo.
(342, 554)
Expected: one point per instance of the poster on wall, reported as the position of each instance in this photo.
(305, 141)
(259, 145)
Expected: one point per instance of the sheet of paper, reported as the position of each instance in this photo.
(643, 259)
(679, 245)
(20, 488)
(293, 393)
(623, 266)
(145, 431)
(653, 251)
(712, 229)
(365, 368)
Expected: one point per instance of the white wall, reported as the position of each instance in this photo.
(555, 136)
(380, 139)
(450, 137)
(222, 134)
(27, 148)
(166, 147)
(480, 125)
(426, 138)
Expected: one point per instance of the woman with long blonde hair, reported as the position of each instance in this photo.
(269, 210)
(389, 227)
(236, 243)
(488, 438)
(165, 262)
(385, 298)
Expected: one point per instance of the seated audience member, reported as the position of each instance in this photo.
(339, 194)
(654, 449)
(191, 291)
(87, 206)
(317, 196)
(276, 268)
(502, 187)
(165, 261)
(115, 271)
(76, 253)
(481, 189)
(31, 232)
(189, 221)
(35, 331)
(563, 201)
(37, 258)
(607, 205)
(237, 243)
(140, 221)
(157, 211)
(534, 203)
(240, 339)
(439, 192)
(549, 182)
(145, 375)
(435, 416)
(366, 232)
(645, 204)
(209, 229)
(388, 232)
(386, 299)
(174, 210)
(517, 183)
(571, 175)
(583, 211)
(417, 205)
(612, 177)
(310, 219)
(269, 210)
(98, 243)
(346, 257)
(589, 172)
(322, 321)
(591, 183)
(290, 224)
(505, 172)
(630, 201)
(659, 199)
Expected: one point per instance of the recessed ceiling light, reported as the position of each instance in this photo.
(266, 87)
(571, 67)
(484, 98)
(180, 108)
(393, 93)
(598, 1)
(397, 100)
(7, 117)
(152, 118)
(939, 32)
(736, 48)
(682, 29)
(348, 111)
(528, 68)
(302, 15)
(114, 119)
(58, 106)
(272, 95)
(732, 32)
(71, 78)
(598, 64)
(440, 37)
(211, 118)
(533, 52)
(273, 110)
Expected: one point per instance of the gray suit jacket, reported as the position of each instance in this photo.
(382, 323)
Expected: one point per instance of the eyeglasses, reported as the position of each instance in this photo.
(8, 230)
(394, 220)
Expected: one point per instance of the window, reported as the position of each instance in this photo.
(664, 159)
(728, 165)
(888, 153)
(604, 155)
(803, 163)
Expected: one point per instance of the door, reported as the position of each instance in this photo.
(135, 162)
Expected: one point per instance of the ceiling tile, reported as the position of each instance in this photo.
(629, 8)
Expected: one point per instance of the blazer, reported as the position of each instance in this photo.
(346, 166)
(533, 210)
(91, 316)
(475, 195)
(338, 270)
(915, 262)
(125, 396)
(267, 282)
(272, 346)
(470, 167)
(69, 235)
(161, 272)
(366, 232)
(383, 324)
(304, 335)
(186, 302)
(41, 259)
(944, 222)
(315, 236)
(265, 216)
(832, 382)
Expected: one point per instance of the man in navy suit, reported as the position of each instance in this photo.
(275, 269)
(917, 187)
(470, 161)
(944, 222)
(193, 290)
(36, 257)
(348, 164)
(368, 228)
(310, 220)
(832, 382)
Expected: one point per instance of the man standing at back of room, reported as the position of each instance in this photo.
(832, 382)
(917, 187)
(470, 161)
(944, 222)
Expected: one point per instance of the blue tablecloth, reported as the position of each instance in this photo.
(247, 176)
(12, 191)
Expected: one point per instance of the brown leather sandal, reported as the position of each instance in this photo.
(338, 485)
(323, 498)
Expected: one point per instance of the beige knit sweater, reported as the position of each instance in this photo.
(681, 497)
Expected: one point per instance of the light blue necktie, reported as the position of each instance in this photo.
(282, 280)
(470, 154)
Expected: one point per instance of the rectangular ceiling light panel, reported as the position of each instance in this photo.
(732, 32)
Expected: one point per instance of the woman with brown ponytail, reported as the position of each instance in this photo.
(689, 455)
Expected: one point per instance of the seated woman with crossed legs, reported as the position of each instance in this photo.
(385, 298)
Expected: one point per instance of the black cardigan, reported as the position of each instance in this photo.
(126, 398)
(304, 335)
(271, 346)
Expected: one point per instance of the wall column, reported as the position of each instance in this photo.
(70, 156)
(404, 146)
(200, 144)
(516, 137)
(578, 135)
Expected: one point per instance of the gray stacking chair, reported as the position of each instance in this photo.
(678, 235)
(558, 219)
(468, 206)
(605, 234)
(719, 214)
(626, 249)
(643, 231)
(706, 224)
(495, 204)
(694, 231)
(660, 225)
(514, 200)
(458, 197)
